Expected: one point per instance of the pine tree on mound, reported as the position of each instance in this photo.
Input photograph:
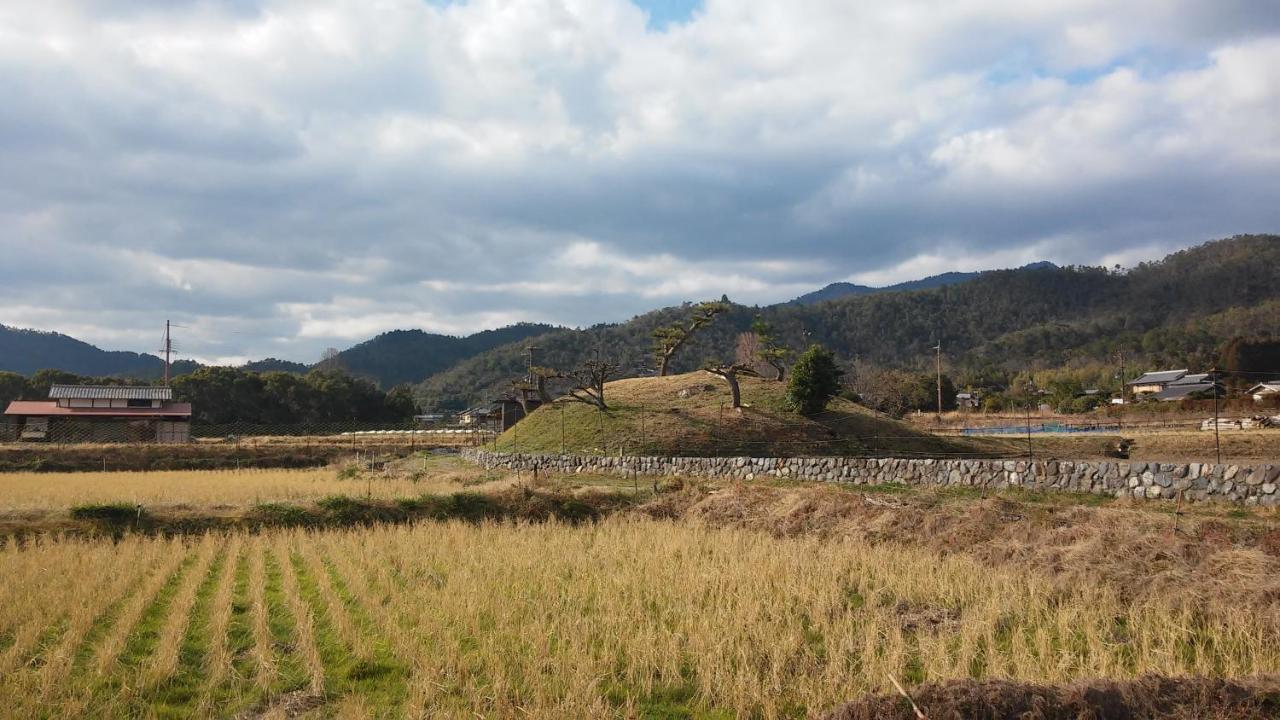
(815, 380)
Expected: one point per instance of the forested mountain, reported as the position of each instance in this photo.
(1178, 311)
(409, 356)
(838, 290)
(390, 359)
(26, 351)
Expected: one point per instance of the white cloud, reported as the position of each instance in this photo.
(288, 174)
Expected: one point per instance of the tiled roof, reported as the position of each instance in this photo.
(1162, 376)
(109, 392)
(1178, 392)
(45, 407)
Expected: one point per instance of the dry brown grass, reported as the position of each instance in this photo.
(625, 618)
(1218, 555)
(27, 492)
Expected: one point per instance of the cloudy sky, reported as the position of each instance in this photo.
(280, 176)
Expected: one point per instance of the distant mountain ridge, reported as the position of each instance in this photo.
(26, 351)
(1179, 310)
(410, 356)
(837, 290)
(392, 358)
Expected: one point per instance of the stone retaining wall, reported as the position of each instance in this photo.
(1247, 484)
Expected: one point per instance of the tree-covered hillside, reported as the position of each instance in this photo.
(1178, 311)
(409, 356)
(26, 351)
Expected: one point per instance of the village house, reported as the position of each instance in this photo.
(1154, 382)
(103, 413)
(1172, 385)
(1264, 390)
(968, 400)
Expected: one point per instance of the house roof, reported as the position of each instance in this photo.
(1269, 386)
(1197, 379)
(46, 407)
(1180, 391)
(1158, 377)
(109, 392)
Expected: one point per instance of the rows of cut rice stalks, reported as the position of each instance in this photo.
(625, 618)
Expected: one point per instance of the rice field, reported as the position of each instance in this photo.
(624, 618)
(26, 491)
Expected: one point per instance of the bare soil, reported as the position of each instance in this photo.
(1146, 697)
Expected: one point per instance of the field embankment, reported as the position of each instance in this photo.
(418, 488)
(267, 453)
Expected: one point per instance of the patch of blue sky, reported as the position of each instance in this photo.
(1021, 65)
(662, 13)
(665, 13)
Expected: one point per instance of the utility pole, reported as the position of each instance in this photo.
(529, 374)
(1217, 440)
(938, 348)
(1031, 389)
(168, 350)
(1124, 400)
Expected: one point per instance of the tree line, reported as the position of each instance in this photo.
(223, 395)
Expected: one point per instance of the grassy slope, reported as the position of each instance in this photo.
(689, 415)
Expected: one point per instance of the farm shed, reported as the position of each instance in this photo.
(103, 413)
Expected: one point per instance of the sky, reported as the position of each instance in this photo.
(283, 176)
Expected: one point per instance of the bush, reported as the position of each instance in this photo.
(282, 514)
(109, 512)
(815, 379)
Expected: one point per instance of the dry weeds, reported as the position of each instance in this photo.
(623, 618)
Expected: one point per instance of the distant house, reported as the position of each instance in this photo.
(1154, 382)
(476, 416)
(1264, 390)
(1174, 385)
(968, 400)
(103, 413)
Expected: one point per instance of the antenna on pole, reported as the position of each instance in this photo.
(168, 351)
(167, 347)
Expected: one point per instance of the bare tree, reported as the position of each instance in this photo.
(747, 349)
(769, 350)
(331, 360)
(730, 373)
(668, 340)
(586, 382)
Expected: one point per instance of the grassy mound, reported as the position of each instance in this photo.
(689, 415)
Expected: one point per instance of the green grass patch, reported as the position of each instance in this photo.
(117, 513)
(377, 677)
(281, 514)
(176, 697)
(292, 670)
(141, 643)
